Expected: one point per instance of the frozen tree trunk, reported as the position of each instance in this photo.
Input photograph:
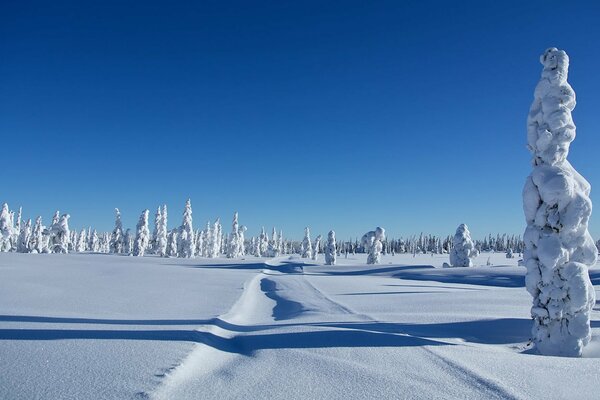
(463, 249)
(116, 239)
(306, 247)
(186, 240)
(142, 235)
(330, 249)
(558, 247)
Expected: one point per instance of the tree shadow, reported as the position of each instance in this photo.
(493, 331)
(140, 322)
(468, 276)
(374, 271)
(244, 344)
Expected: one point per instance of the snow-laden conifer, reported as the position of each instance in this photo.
(161, 240)
(81, 241)
(558, 247)
(6, 229)
(330, 249)
(116, 239)
(235, 239)
(128, 243)
(157, 222)
(142, 235)
(59, 235)
(306, 246)
(374, 245)
(24, 244)
(463, 249)
(37, 237)
(316, 248)
(187, 244)
(172, 246)
(93, 241)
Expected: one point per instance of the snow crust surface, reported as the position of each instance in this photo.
(89, 326)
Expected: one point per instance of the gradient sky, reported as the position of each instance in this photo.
(347, 115)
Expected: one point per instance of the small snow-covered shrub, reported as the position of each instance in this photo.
(463, 249)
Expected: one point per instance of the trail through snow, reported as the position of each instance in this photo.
(285, 338)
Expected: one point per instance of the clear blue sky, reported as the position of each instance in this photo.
(343, 115)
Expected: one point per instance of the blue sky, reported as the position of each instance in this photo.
(343, 115)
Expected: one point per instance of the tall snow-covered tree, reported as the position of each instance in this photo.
(172, 246)
(161, 240)
(6, 229)
(187, 244)
(273, 244)
(316, 248)
(558, 247)
(306, 247)
(330, 249)
(142, 235)
(157, 222)
(37, 237)
(116, 239)
(463, 248)
(235, 245)
(128, 242)
(215, 239)
(82, 241)
(24, 245)
(263, 240)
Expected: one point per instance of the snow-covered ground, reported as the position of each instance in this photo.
(91, 326)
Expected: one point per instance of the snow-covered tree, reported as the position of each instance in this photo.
(161, 239)
(93, 241)
(463, 248)
(263, 240)
(6, 229)
(214, 242)
(235, 239)
(330, 249)
(306, 247)
(157, 222)
(81, 241)
(116, 239)
(25, 238)
(172, 247)
(372, 240)
(37, 237)
(316, 248)
(558, 247)
(187, 244)
(128, 243)
(59, 235)
(142, 235)
(273, 245)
